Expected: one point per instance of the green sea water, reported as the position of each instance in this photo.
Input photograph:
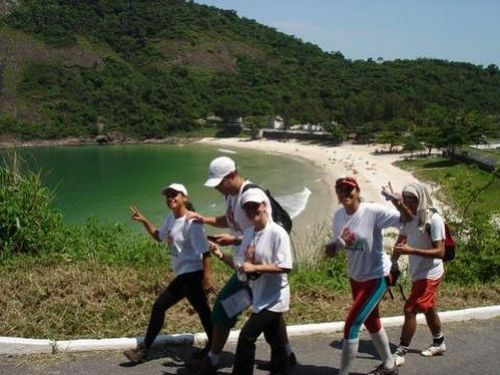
(103, 181)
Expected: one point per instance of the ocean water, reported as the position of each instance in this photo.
(103, 181)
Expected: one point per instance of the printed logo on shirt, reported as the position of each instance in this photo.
(357, 245)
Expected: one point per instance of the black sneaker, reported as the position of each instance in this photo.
(381, 370)
(200, 353)
(207, 368)
(292, 360)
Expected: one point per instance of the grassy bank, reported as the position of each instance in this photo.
(59, 281)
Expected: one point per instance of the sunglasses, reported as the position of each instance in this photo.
(251, 208)
(172, 193)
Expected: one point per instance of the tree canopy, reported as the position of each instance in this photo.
(165, 63)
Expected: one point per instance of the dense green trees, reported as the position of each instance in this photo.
(141, 89)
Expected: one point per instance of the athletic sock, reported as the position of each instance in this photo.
(438, 339)
(214, 358)
(402, 350)
(381, 343)
(349, 351)
(288, 349)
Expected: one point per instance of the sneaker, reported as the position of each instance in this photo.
(399, 357)
(207, 368)
(434, 350)
(292, 360)
(136, 355)
(200, 353)
(381, 370)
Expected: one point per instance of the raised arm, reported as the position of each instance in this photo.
(139, 217)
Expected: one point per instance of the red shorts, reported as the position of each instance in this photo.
(423, 295)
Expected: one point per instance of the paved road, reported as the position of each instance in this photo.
(472, 349)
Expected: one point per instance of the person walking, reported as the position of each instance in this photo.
(357, 228)
(267, 260)
(422, 239)
(225, 178)
(190, 259)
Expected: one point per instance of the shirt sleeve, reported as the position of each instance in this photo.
(438, 232)
(198, 238)
(282, 254)
(386, 217)
(164, 228)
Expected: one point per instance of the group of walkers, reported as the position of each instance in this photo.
(262, 257)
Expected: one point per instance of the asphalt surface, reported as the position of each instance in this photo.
(472, 349)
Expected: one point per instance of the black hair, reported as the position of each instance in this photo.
(190, 206)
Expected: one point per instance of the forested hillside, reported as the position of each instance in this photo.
(151, 68)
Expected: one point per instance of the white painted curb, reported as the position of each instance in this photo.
(14, 345)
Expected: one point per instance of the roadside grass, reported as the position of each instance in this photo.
(459, 182)
(48, 297)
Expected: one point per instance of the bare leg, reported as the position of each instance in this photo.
(433, 321)
(409, 327)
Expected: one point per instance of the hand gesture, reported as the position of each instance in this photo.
(215, 250)
(136, 215)
(330, 249)
(347, 236)
(401, 249)
(223, 239)
(247, 267)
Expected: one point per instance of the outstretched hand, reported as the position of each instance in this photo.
(136, 214)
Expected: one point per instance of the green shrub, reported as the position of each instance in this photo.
(28, 223)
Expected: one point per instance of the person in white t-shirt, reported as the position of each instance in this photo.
(223, 175)
(190, 259)
(357, 228)
(266, 253)
(422, 239)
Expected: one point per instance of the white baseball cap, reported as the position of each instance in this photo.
(218, 169)
(253, 195)
(176, 187)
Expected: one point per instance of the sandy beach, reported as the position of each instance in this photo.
(372, 171)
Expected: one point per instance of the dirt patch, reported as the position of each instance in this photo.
(18, 49)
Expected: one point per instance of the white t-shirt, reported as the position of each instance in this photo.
(236, 218)
(272, 246)
(186, 241)
(422, 267)
(366, 258)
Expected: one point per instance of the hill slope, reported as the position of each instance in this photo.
(150, 68)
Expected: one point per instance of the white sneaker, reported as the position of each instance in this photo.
(399, 358)
(434, 350)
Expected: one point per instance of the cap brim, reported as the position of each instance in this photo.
(213, 182)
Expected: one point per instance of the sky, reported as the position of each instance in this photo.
(454, 30)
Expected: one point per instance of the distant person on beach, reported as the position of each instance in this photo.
(357, 228)
(267, 258)
(190, 259)
(422, 239)
(224, 176)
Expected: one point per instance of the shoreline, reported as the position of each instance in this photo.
(372, 171)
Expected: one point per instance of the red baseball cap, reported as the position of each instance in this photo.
(350, 181)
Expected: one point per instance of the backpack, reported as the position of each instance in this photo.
(449, 243)
(280, 216)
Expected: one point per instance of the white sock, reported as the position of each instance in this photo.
(214, 358)
(381, 343)
(288, 349)
(349, 351)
